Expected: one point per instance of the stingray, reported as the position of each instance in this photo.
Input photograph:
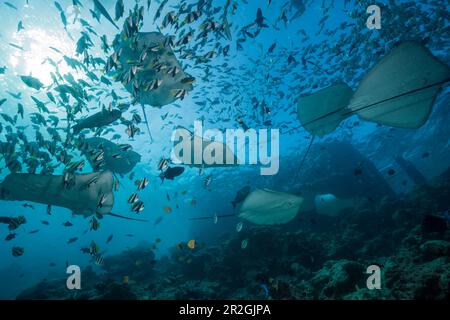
(412, 75)
(330, 205)
(399, 91)
(115, 158)
(311, 108)
(149, 70)
(87, 194)
(206, 145)
(267, 207)
(330, 102)
(158, 63)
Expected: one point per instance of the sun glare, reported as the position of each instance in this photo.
(37, 58)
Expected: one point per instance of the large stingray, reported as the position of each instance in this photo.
(82, 197)
(115, 159)
(83, 194)
(330, 205)
(158, 76)
(399, 91)
(412, 75)
(205, 145)
(149, 70)
(267, 207)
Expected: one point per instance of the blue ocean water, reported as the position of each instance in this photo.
(328, 42)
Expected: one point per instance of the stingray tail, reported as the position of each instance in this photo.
(127, 218)
(306, 154)
(207, 218)
(146, 123)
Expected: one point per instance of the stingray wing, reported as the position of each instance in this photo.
(160, 64)
(400, 90)
(267, 207)
(81, 198)
(320, 113)
(123, 164)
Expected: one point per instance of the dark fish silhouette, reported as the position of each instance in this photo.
(171, 173)
(260, 19)
(241, 195)
(100, 8)
(100, 119)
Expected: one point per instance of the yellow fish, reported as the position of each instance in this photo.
(191, 244)
(167, 209)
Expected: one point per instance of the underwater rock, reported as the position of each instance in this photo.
(41, 291)
(136, 263)
(364, 294)
(341, 159)
(338, 278)
(198, 290)
(54, 289)
(436, 248)
(408, 279)
(433, 223)
(296, 267)
(402, 215)
(116, 291)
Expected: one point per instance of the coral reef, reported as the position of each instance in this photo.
(314, 258)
